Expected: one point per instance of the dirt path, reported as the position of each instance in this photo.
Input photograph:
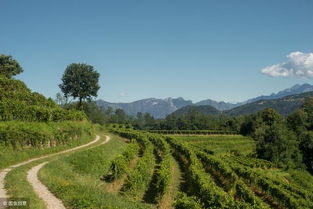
(4, 172)
(41, 190)
(169, 198)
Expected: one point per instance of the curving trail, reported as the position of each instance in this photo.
(41, 190)
(4, 172)
(51, 201)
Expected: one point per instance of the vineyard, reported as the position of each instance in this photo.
(220, 172)
(139, 169)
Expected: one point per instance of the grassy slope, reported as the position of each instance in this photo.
(76, 179)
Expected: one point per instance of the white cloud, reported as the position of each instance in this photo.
(299, 65)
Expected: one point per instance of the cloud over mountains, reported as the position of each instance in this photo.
(299, 65)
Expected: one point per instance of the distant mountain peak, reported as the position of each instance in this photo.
(160, 108)
(296, 89)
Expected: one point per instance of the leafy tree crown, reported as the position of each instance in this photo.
(80, 81)
(9, 67)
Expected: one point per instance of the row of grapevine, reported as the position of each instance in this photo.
(119, 166)
(251, 162)
(194, 132)
(210, 194)
(139, 179)
(163, 173)
(230, 181)
(278, 191)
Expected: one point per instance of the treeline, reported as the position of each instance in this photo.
(144, 121)
(286, 141)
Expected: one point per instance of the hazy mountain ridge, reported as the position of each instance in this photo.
(160, 108)
(218, 105)
(204, 109)
(284, 106)
(296, 89)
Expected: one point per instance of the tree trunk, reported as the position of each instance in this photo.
(80, 104)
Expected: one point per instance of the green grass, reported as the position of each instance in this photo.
(76, 179)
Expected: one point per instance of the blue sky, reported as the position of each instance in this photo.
(158, 48)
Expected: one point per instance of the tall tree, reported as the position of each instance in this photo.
(80, 81)
(9, 67)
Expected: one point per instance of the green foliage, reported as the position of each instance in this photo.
(185, 202)
(17, 102)
(211, 195)
(80, 81)
(138, 179)
(286, 195)
(163, 173)
(9, 67)
(298, 121)
(275, 142)
(278, 145)
(235, 181)
(306, 146)
(94, 113)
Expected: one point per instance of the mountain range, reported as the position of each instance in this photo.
(284, 105)
(160, 108)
